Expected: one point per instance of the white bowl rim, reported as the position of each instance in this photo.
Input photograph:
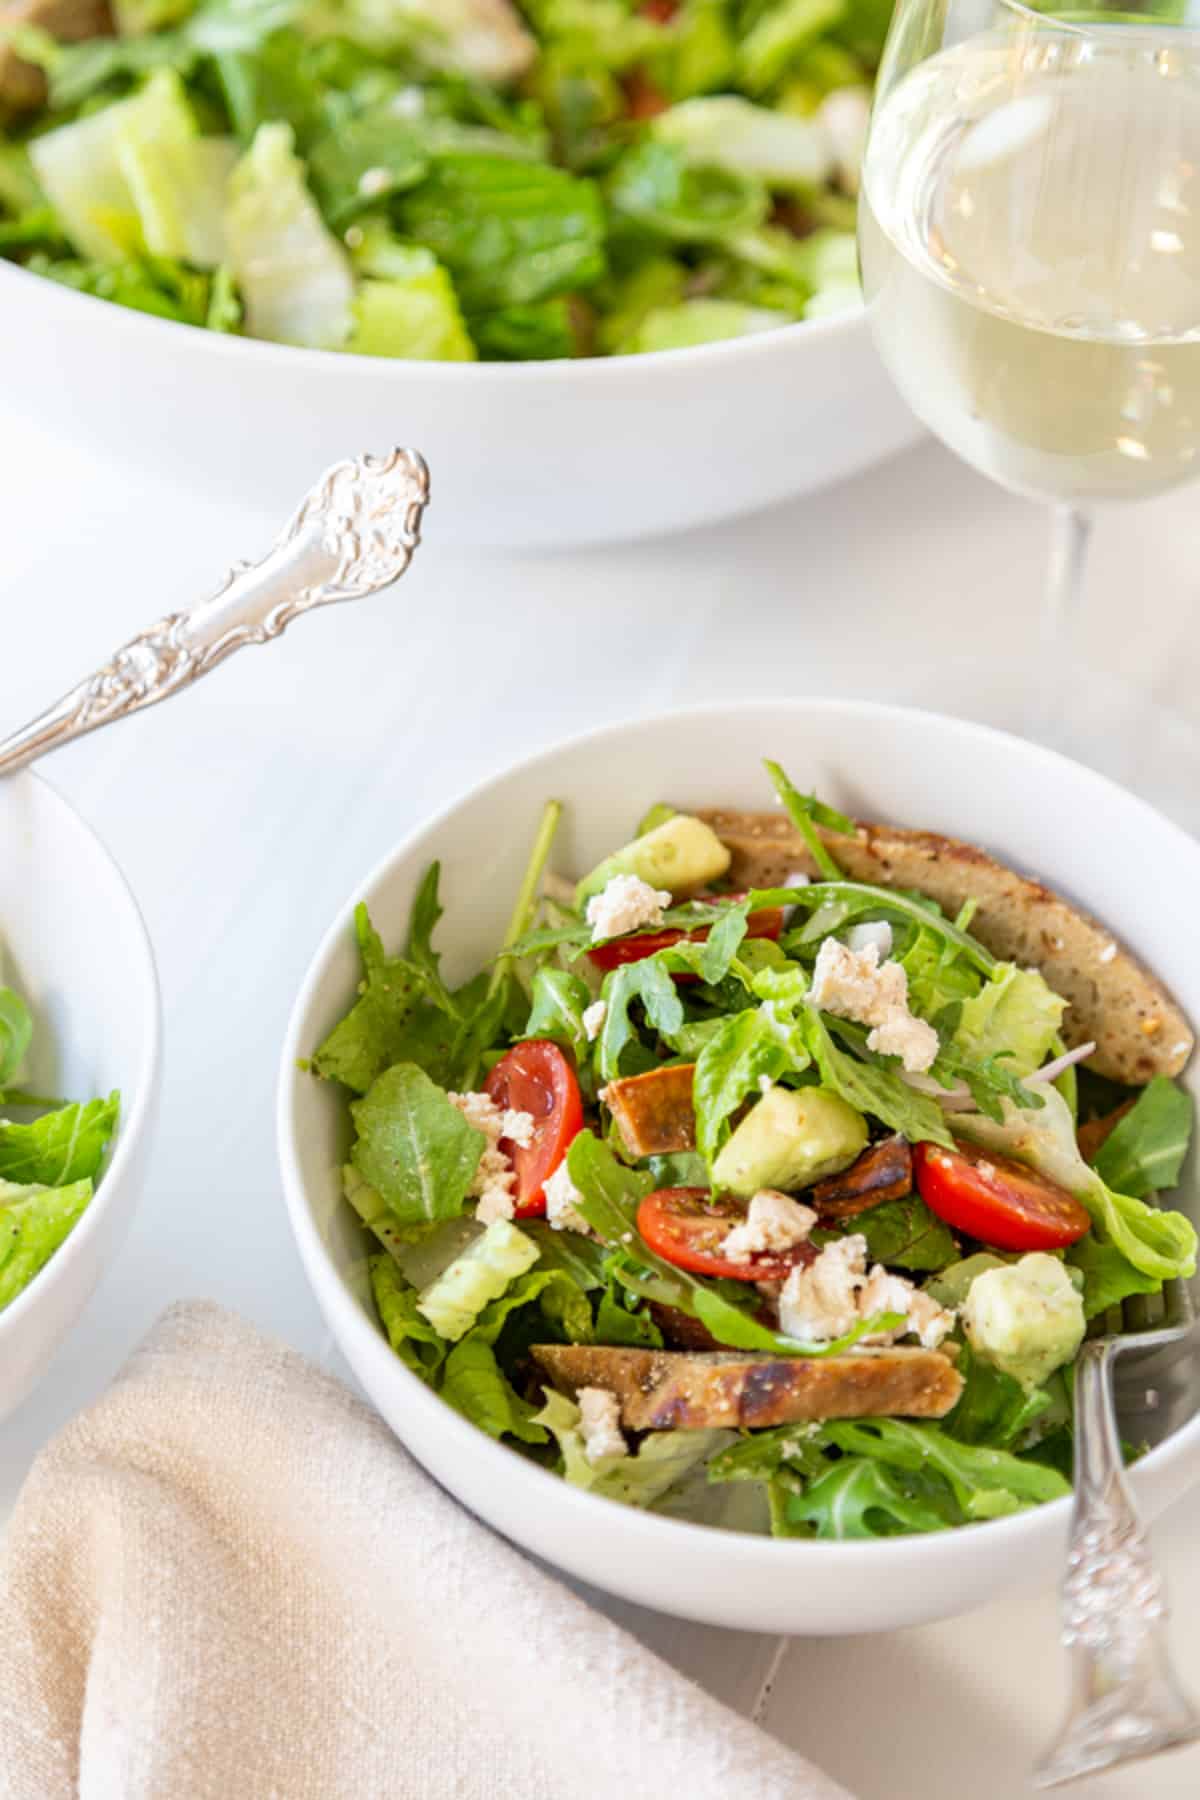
(134, 1118)
(655, 1531)
(362, 368)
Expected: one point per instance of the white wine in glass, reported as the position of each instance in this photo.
(1029, 234)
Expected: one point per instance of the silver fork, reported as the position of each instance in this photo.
(1125, 1700)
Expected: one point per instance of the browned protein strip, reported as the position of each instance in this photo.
(1093, 1136)
(22, 86)
(1115, 1002)
(882, 1172)
(654, 1111)
(667, 1390)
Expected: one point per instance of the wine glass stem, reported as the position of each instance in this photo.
(1070, 535)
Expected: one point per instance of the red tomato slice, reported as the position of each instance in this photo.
(535, 1077)
(997, 1200)
(767, 922)
(687, 1227)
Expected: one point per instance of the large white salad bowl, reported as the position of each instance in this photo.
(553, 453)
(1092, 840)
(73, 944)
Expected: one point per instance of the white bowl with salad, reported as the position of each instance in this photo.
(79, 1072)
(730, 1240)
(595, 258)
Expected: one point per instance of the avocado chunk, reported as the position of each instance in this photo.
(1026, 1318)
(682, 855)
(789, 1139)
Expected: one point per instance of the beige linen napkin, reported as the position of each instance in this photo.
(227, 1579)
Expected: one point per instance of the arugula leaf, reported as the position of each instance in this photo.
(371, 1037)
(1145, 1151)
(761, 1454)
(806, 812)
(872, 1090)
(16, 1031)
(744, 1049)
(414, 1147)
(31, 1229)
(474, 1385)
(896, 904)
(860, 1498)
(622, 1320)
(581, 1258)
(557, 1005)
(61, 1147)
(993, 1409)
(649, 982)
(412, 1337)
(985, 1482)
(904, 1234)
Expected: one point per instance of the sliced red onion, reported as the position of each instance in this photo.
(1054, 1069)
(951, 1099)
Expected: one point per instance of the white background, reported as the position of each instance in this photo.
(245, 811)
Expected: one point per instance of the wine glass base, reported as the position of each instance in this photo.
(1112, 725)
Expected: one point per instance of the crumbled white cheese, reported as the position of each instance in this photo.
(600, 1422)
(774, 1221)
(1108, 953)
(873, 931)
(593, 1019)
(561, 1195)
(493, 1181)
(626, 904)
(820, 1302)
(884, 1292)
(830, 1296)
(854, 984)
(407, 103)
(374, 181)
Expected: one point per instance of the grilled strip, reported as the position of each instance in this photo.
(667, 1390)
(1136, 1026)
(22, 86)
(654, 1111)
(882, 1172)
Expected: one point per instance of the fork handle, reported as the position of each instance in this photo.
(354, 533)
(1125, 1701)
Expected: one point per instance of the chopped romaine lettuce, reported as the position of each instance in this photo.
(293, 275)
(645, 1475)
(481, 1273)
(33, 1223)
(724, 132)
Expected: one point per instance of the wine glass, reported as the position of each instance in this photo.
(1029, 238)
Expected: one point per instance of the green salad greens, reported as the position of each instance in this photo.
(445, 179)
(49, 1158)
(766, 1208)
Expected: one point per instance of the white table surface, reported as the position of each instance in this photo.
(243, 813)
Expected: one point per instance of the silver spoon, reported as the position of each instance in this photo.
(352, 534)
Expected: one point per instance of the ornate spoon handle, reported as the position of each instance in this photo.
(353, 533)
(1125, 1701)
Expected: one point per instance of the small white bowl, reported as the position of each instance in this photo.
(74, 945)
(1089, 838)
(553, 453)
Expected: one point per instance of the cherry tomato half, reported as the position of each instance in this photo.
(997, 1200)
(687, 1227)
(767, 922)
(535, 1077)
